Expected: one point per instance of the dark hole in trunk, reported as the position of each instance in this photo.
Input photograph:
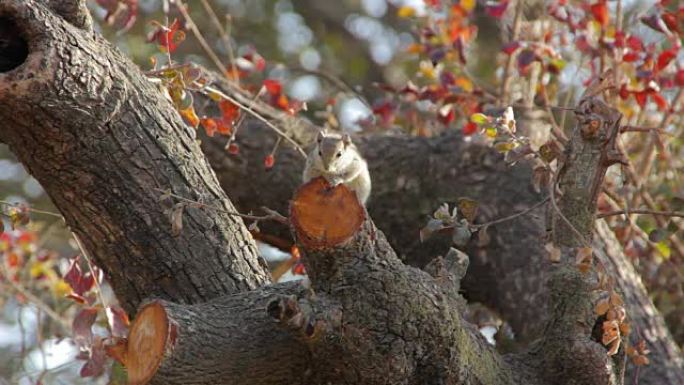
(13, 46)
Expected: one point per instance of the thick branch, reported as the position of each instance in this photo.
(102, 140)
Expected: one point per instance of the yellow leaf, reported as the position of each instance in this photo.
(465, 84)
(190, 116)
(406, 12)
(468, 5)
(491, 132)
(61, 288)
(479, 118)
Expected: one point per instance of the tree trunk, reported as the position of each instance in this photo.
(105, 143)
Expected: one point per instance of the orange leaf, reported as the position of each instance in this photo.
(601, 307)
(209, 125)
(273, 87)
(190, 116)
(600, 12)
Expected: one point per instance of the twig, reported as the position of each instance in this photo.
(32, 209)
(238, 124)
(224, 38)
(270, 214)
(510, 62)
(9, 284)
(198, 35)
(678, 214)
(513, 216)
(90, 267)
(204, 88)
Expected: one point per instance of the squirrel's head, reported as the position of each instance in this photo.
(334, 150)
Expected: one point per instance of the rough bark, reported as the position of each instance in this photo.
(411, 178)
(103, 141)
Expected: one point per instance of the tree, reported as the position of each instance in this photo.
(134, 185)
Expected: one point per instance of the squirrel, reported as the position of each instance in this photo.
(338, 160)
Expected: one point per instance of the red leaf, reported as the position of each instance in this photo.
(600, 12)
(80, 282)
(510, 47)
(496, 10)
(469, 128)
(670, 20)
(641, 98)
(273, 87)
(269, 161)
(118, 321)
(298, 269)
(630, 57)
(624, 94)
(96, 362)
(229, 114)
(82, 326)
(635, 44)
(446, 114)
(660, 101)
(679, 78)
(167, 38)
(665, 58)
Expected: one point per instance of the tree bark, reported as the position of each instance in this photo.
(411, 178)
(104, 143)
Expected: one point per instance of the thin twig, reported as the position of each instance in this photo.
(198, 35)
(91, 268)
(678, 214)
(270, 214)
(204, 88)
(513, 216)
(37, 211)
(510, 61)
(9, 284)
(224, 38)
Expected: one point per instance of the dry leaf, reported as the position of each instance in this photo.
(554, 252)
(602, 307)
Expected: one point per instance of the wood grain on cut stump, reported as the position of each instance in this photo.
(324, 216)
(147, 342)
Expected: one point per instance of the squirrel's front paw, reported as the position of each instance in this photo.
(335, 181)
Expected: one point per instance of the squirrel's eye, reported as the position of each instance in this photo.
(339, 154)
(320, 153)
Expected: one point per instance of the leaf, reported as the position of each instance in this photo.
(432, 226)
(468, 208)
(442, 213)
(177, 219)
(117, 320)
(665, 58)
(406, 12)
(82, 326)
(210, 126)
(479, 118)
(491, 132)
(658, 235)
(504, 147)
(273, 87)
(470, 128)
(446, 114)
(79, 281)
(468, 5)
(94, 367)
(190, 116)
(600, 12)
(511, 47)
(496, 10)
(554, 252)
(602, 307)
(615, 299)
(614, 347)
(461, 235)
(118, 374)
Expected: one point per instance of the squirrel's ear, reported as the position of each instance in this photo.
(346, 139)
(320, 137)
